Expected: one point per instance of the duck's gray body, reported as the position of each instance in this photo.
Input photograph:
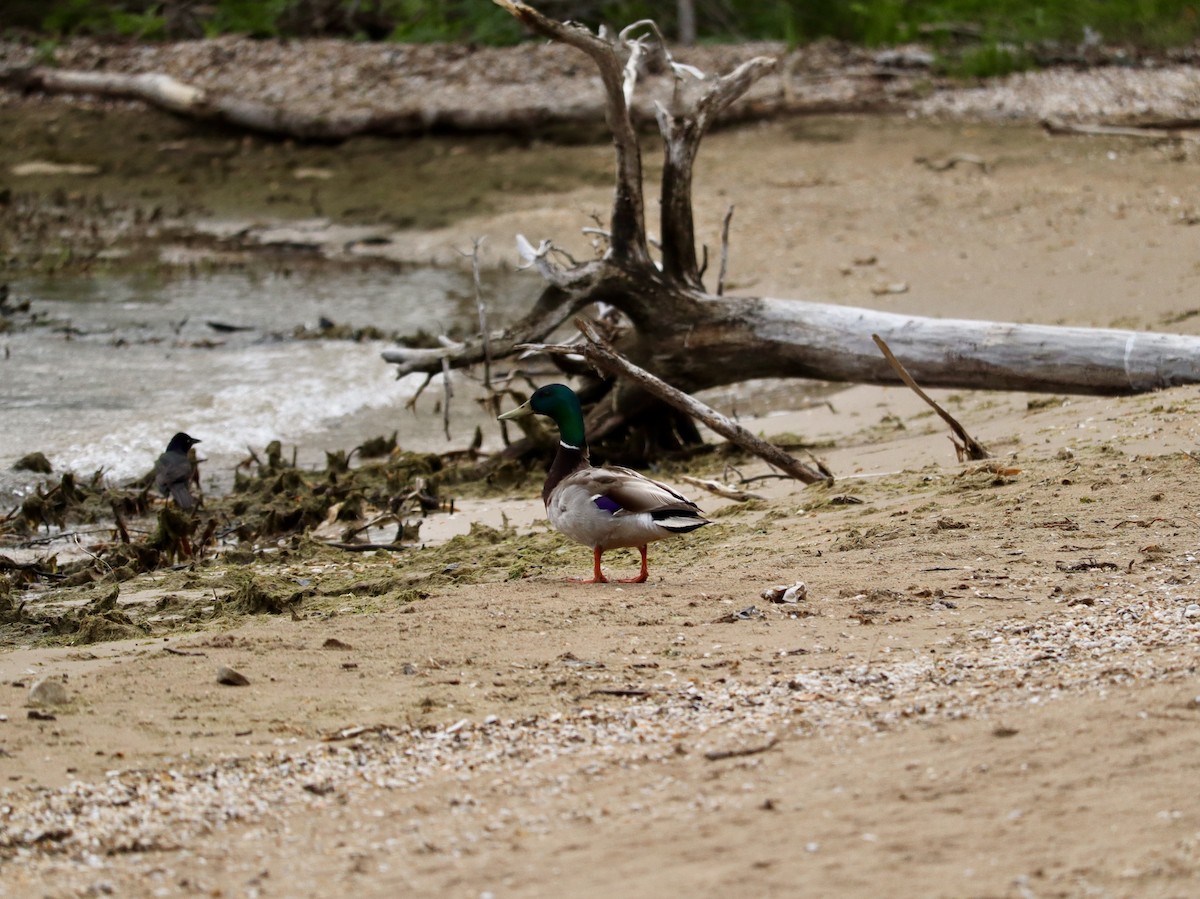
(603, 508)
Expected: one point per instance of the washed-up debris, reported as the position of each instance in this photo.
(35, 462)
(750, 613)
(227, 328)
(786, 593)
(272, 499)
(1086, 565)
(572, 661)
(718, 488)
(717, 755)
(349, 733)
(42, 168)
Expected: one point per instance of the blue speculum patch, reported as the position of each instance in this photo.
(610, 506)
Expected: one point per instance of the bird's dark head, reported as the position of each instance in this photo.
(181, 443)
(559, 402)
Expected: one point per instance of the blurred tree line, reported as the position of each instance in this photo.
(1144, 23)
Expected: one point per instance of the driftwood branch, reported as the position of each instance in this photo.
(717, 755)
(164, 92)
(724, 250)
(1169, 131)
(725, 491)
(682, 129)
(725, 340)
(598, 353)
(687, 337)
(553, 308)
(970, 447)
(628, 218)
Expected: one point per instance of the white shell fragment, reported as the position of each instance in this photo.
(789, 593)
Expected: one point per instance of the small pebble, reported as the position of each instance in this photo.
(231, 678)
(1192, 611)
(48, 691)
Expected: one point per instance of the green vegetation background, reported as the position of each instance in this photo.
(982, 35)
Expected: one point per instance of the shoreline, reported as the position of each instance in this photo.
(426, 87)
(990, 658)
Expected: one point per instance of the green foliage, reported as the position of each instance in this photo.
(149, 25)
(996, 31)
(873, 22)
(419, 21)
(44, 52)
(91, 17)
(257, 18)
(71, 16)
(988, 60)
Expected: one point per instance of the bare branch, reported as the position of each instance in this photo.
(726, 491)
(448, 394)
(1054, 126)
(628, 219)
(164, 92)
(681, 142)
(156, 89)
(971, 447)
(482, 309)
(555, 305)
(539, 258)
(724, 250)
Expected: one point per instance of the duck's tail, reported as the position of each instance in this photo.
(679, 521)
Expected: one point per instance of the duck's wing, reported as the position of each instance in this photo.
(623, 491)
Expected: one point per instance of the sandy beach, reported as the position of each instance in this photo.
(989, 687)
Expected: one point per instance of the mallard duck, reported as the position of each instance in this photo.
(607, 507)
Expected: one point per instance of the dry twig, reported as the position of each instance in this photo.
(970, 448)
(724, 250)
(717, 755)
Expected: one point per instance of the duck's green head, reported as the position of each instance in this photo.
(557, 401)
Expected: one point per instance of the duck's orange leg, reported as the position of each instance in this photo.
(597, 575)
(642, 575)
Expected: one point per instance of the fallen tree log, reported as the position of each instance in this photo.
(694, 340)
(1168, 132)
(302, 102)
(170, 94)
(723, 340)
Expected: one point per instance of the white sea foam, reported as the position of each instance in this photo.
(143, 363)
(285, 393)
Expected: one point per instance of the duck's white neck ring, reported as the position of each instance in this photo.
(566, 445)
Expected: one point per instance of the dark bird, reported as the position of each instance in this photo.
(174, 470)
(606, 507)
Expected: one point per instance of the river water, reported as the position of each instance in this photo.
(122, 363)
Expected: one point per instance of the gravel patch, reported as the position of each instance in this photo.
(1115, 639)
(447, 84)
